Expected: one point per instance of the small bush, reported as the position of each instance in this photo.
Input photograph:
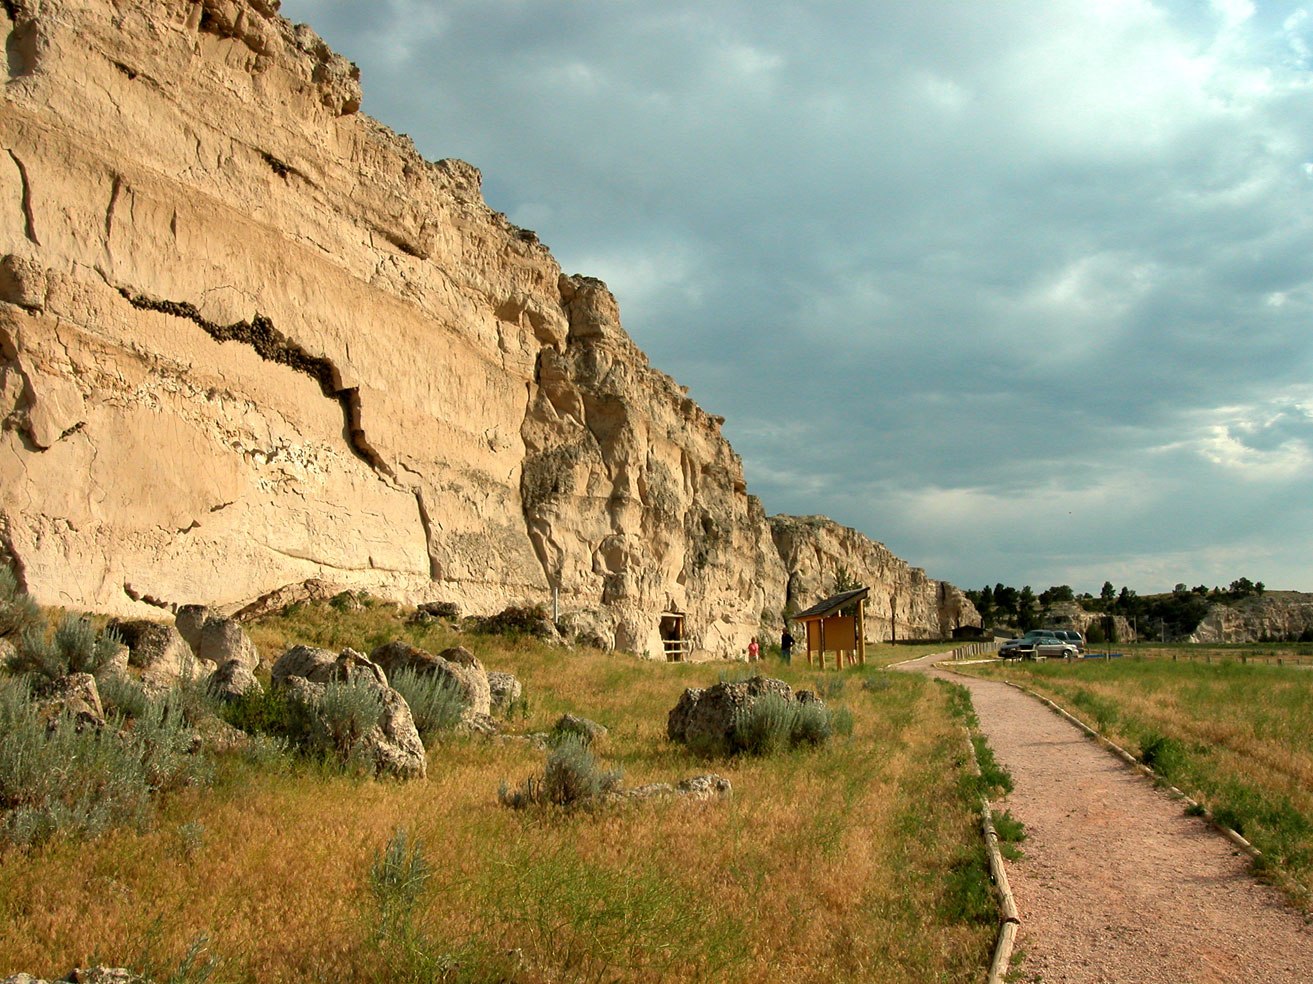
(122, 697)
(766, 726)
(436, 703)
(58, 780)
(1166, 756)
(18, 612)
(273, 712)
(397, 880)
(349, 711)
(773, 723)
(74, 648)
(571, 779)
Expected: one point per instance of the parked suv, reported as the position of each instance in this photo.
(1024, 648)
(1073, 637)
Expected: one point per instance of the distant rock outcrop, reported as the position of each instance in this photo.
(1274, 615)
(904, 603)
(253, 344)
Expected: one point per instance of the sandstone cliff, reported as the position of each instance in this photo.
(903, 604)
(248, 336)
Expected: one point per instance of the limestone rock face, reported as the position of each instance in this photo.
(904, 603)
(251, 339)
(1283, 615)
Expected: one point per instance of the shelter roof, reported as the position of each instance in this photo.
(833, 603)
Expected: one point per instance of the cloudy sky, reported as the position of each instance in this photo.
(1021, 288)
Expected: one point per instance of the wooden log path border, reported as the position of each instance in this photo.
(1009, 919)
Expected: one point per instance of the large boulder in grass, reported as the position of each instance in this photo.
(704, 719)
(223, 640)
(307, 662)
(190, 620)
(325, 666)
(75, 695)
(232, 680)
(158, 650)
(503, 689)
(393, 745)
(457, 665)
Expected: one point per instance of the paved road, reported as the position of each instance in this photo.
(1118, 885)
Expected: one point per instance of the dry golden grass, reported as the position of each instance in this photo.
(824, 865)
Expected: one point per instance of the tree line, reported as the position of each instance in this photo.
(1174, 614)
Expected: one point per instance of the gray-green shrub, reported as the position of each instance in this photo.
(773, 723)
(436, 703)
(18, 612)
(571, 779)
(348, 711)
(58, 780)
(74, 648)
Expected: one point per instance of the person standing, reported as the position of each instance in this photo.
(754, 651)
(786, 645)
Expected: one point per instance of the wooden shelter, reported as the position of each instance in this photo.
(829, 631)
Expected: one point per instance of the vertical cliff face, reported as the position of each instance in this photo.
(903, 604)
(248, 336)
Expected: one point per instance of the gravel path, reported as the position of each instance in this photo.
(1118, 885)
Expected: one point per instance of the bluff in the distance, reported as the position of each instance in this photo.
(248, 337)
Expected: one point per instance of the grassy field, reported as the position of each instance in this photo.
(860, 860)
(1236, 736)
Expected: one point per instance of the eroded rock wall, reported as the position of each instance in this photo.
(249, 336)
(904, 603)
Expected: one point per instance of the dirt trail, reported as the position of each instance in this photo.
(1118, 885)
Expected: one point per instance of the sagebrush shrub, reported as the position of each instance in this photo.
(773, 723)
(571, 779)
(58, 780)
(75, 647)
(348, 711)
(397, 879)
(572, 776)
(765, 726)
(436, 703)
(18, 612)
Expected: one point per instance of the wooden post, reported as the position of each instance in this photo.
(861, 632)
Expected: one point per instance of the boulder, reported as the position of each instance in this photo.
(704, 719)
(76, 695)
(393, 745)
(457, 664)
(307, 662)
(503, 690)
(158, 650)
(704, 787)
(439, 609)
(190, 620)
(85, 975)
(224, 639)
(231, 680)
(571, 724)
